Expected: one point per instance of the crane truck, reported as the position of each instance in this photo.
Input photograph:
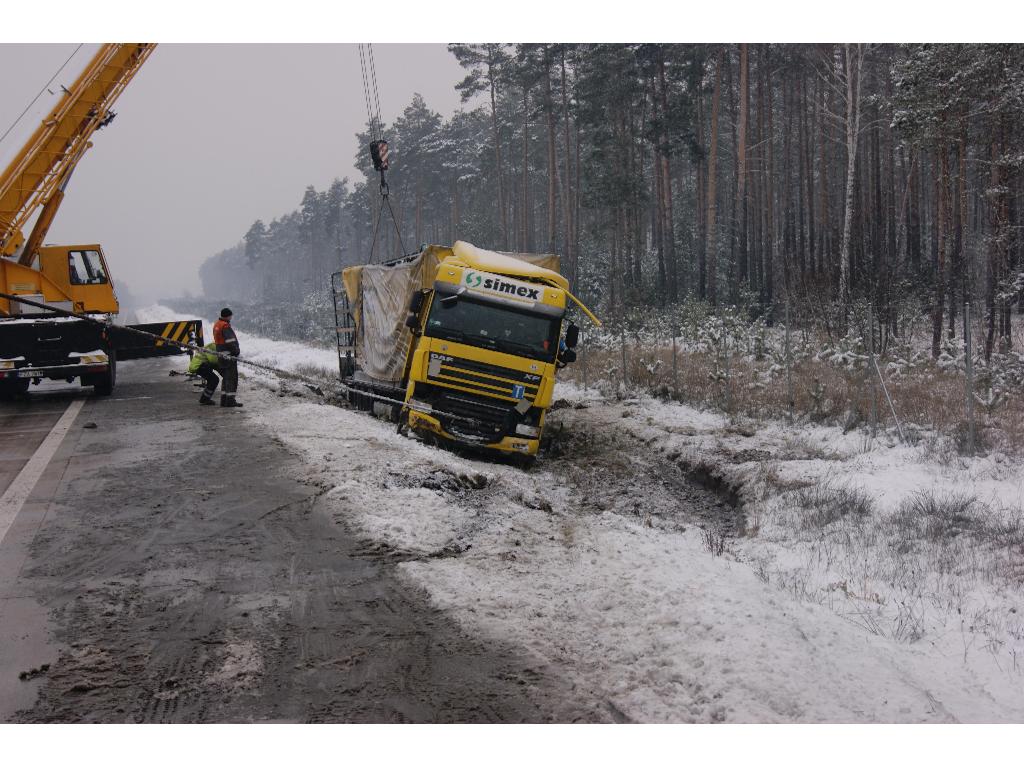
(39, 344)
(458, 344)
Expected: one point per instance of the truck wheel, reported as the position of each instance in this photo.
(524, 462)
(12, 388)
(104, 383)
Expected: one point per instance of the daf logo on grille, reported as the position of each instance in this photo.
(531, 377)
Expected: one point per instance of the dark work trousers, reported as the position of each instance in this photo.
(229, 370)
(209, 373)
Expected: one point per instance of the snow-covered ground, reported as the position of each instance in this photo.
(915, 544)
(821, 609)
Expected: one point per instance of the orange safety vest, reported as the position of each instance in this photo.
(224, 337)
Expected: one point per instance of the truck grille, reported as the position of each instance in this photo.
(493, 381)
(486, 418)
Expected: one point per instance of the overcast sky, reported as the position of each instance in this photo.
(209, 138)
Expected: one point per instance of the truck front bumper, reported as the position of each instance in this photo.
(421, 422)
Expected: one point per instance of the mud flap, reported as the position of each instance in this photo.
(133, 346)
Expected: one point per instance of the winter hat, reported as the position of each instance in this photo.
(226, 312)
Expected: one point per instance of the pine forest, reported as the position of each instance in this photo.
(811, 179)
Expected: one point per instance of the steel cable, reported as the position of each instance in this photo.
(309, 381)
(45, 87)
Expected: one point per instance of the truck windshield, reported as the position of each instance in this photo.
(491, 326)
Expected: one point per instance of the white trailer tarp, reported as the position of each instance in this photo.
(379, 296)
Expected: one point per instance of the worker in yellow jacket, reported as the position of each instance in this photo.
(206, 363)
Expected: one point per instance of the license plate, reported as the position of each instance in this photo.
(27, 374)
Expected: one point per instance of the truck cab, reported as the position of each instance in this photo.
(73, 277)
(489, 332)
(481, 338)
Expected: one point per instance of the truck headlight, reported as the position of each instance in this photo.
(526, 430)
(419, 405)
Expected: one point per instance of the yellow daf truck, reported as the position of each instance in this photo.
(458, 343)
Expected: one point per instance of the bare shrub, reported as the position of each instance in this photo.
(763, 481)
(829, 380)
(939, 449)
(798, 447)
(962, 440)
(762, 569)
(827, 503)
(908, 623)
(714, 542)
(935, 517)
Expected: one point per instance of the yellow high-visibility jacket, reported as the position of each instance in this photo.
(201, 357)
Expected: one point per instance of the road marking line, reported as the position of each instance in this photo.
(23, 414)
(17, 494)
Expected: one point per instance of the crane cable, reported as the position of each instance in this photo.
(376, 92)
(368, 68)
(374, 124)
(45, 87)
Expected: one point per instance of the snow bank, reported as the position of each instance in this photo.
(954, 591)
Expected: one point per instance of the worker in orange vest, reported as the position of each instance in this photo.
(227, 343)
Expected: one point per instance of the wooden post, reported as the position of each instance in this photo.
(622, 341)
(892, 408)
(789, 364)
(583, 362)
(969, 364)
(871, 357)
(728, 388)
(675, 369)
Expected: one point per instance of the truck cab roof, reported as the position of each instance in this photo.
(468, 255)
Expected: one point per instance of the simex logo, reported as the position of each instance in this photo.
(514, 289)
(495, 284)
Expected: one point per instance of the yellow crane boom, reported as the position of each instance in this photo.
(35, 177)
(39, 282)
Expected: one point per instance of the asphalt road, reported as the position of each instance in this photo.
(168, 567)
(23, 425)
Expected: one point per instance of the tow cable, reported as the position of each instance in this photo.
(312, 384)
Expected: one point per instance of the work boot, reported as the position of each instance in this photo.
(206, 400)
(228, 401)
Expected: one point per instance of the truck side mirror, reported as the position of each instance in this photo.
(567, 356)
(412, 322)
(416, 302)
(572, 335)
